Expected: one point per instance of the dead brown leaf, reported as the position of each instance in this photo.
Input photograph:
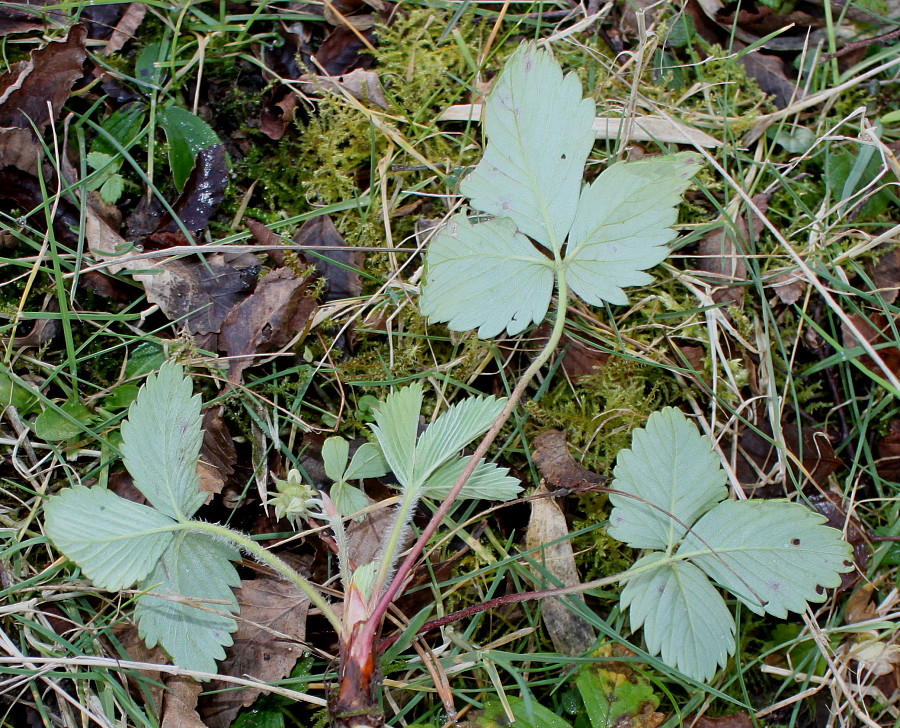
(557, 466)
(878, 331)
(366, 538)
(33, 92)
(735, 720)
(886, 275)
(339, 268)
(136, 650)
(722, 250)
(359, 83)
(831, 505)
(267, 644)
(202, 193)
(278, 311)
(888, 449)
(26, 16)
(859, 607)
(548, 532)
(768, 72)
(180, 703)
(217, 453)
(789, 287)
(199, 296)
(125, 28)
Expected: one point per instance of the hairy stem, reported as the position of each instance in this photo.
(390, 593)
(269, 559)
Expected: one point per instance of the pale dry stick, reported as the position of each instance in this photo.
(890, 235)
(577, 27)
(31, 663)
(811, 277)
(825, 650)
(112, 663)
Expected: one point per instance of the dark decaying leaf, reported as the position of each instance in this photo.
(43, 330)
(27, 15)
(278, 311)
(217, 453)
(33, 92)
(342, 51)
(198, 296)
(830, 505)
(886, 275)
(735, 720)
(722, 251)
(267, 644)
(339, 268)
(768, 72)
(548, 532)
(202, 192)
(557, 466)
(125, 28)
(757, 459)
(878, 331)
(888, 450)
(132, 647)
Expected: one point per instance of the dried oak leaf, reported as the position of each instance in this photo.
(33, 92)
(267, 644)
(197, 294)
(547, 531)
(557, 466)
(339, 268)
(217, 453)
(278, 311)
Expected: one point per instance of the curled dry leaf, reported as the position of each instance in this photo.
(180, 703)
(339, 268)
(557, 466)
(548, 531)
(267, 644)
(199, 295)
(33, 92)
(217, 453)
(276, 313)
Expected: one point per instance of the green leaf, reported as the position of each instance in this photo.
(527, 715)
(123, 125)
(335, 451)
(367, 462)
(146, 357)
(486, 276)
(488, 481)
(121, 397)
(453, 430)
(672, 466)
(684, 618)
(52, 425)
(115, 541)
(773, 554)
(396, 428)
(187, 135)
(190, 601)
(539, 131)
(161, 443)
(623, 225)
(112, 189)
(615, 695)
(98, 160)
(347, 498)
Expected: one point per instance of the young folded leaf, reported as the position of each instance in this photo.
(774, 555)
(499, 274)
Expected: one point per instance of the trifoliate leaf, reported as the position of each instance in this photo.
(486, 276)
(347, 498)
(623, 225)
(539, 136)
(773, 554)
(684, 618)
(367, 462)
(335, 453)
(98, 160)
(116, 542)
(194, 623)
(453, 430)
(672, 466)
(161, 443)
(112, 189)
(488, 481)
(396, 428)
